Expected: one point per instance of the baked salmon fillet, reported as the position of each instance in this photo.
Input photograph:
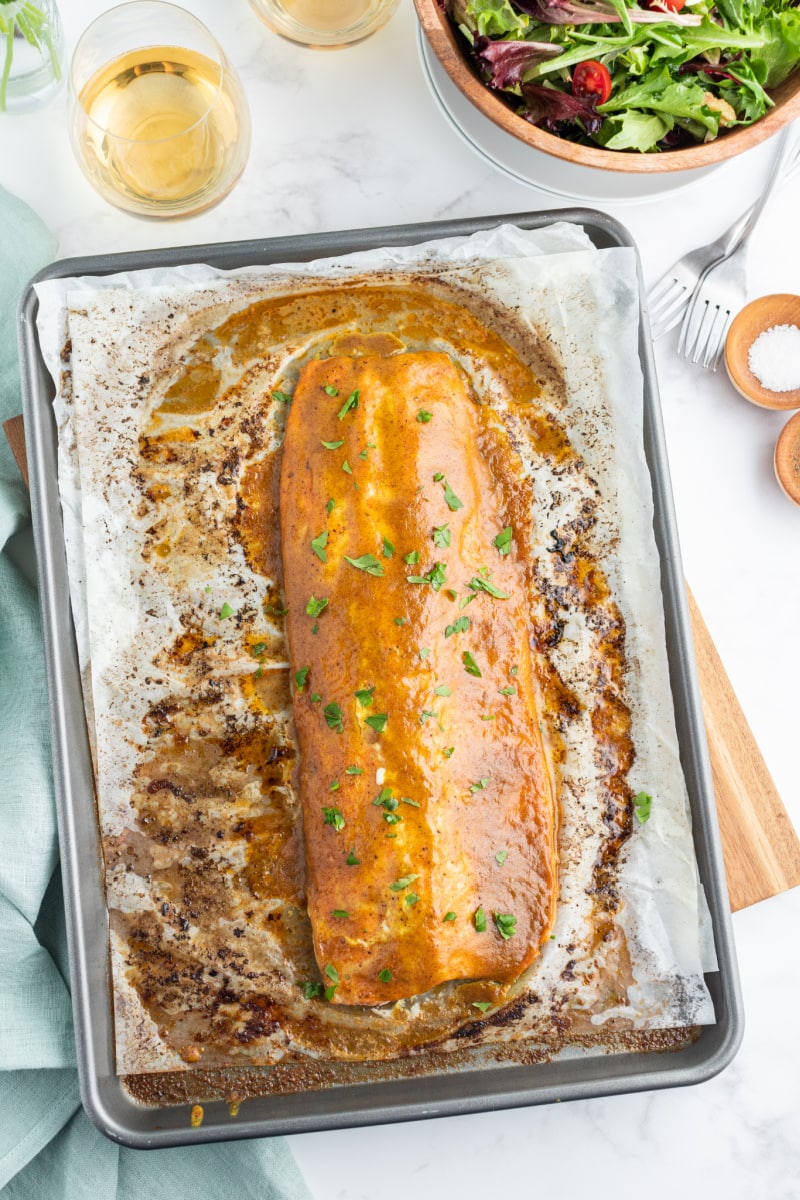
(427, 794)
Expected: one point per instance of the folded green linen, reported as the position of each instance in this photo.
(48, 1147)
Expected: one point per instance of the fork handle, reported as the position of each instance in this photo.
(741, 230)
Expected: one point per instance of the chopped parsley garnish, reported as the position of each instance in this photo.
(334, 786)
(384, 797)
(442, 690)
(392, 818)
(501, 857)
(400, 620)
(350, 402)
(425, 716)
(435, 577)
(332, 973)
(332, 816)
(481, 785)
(385, 975)
(478, 583)
(402, 883)
(451, 499)
(448, 753)
(340, 914)
(258, 649)
(503, 540)
(480, 919)
(641, 806)
(378, 722)
(461, 625)
(423, 416)
(470, 666)
(388, 548)
(441, 535)
(506, 924)
(315, 607)
(412, 559)
(315, 697)
(507, 691)
(282, 397)
(300, 678)
(315, 627)
(366, 562)
(364, 697)
(363, 456)
(482, 1005)
(226, 611)
(333, 445)
(330, 506)
(278, 612)
(488, 717)
(347, 468)
(330, 992)
(351, 859)
(423, 652)
(408, 800)
(312, 990)
(318, 545)
(333, 715)
(449, 916)
(438, 477)
(330, 389)
(514, 671)
(354, 770)
(412, 898)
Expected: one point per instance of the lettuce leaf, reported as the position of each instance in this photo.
(634, 130)
(658, 92)
(780, 54)
(496, 17)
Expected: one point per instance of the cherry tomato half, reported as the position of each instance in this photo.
(665, 5)
(591, 78)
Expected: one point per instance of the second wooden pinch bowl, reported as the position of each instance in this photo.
(446, 46)
(756, 318)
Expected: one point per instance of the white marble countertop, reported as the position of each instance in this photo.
(353, 138)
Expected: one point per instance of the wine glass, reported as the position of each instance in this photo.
(324, 24)
(159, 122)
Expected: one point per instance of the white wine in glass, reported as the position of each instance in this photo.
(160, 130)
(325, 23)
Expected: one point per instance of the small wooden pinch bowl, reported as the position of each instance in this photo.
(754, 319)
(787, 458)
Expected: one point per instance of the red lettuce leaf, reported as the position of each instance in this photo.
(550, 108)
(507, 62)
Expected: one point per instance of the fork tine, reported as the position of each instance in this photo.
(705, 331)
(714, 352)
(660, 289)
(691, 323)
(669, 314)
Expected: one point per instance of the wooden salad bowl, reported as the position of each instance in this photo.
(445, 45)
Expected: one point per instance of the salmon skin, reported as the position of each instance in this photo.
(427, 794)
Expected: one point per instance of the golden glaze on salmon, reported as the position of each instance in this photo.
(427, 795)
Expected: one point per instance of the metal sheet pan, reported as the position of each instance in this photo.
(104, 1096)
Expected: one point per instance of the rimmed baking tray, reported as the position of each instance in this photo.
(104, 1096)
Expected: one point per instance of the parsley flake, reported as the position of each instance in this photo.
(332, 973)
(340, 913)
(470, 666)
(514, 671)
(315, 697)
(282, 397)
(354, 771)
(332, 816)
(425, 716)
(423, 416)
(503, 540)
(412, 559)
(423, 652)
(479, 918)
(378, 722)
(333, 445)
(641, 806)
(400, 620)
(408, 800)
(351, 859)
(479, 583)
(449, 916)
(506, 925)
(442, 690)
(367, 562)
(482, 1005)
(481, 785)
(441, 535)
(461, 625)
(226, 611)
(451, 499)
(364, 697)
(333, 715)
(385, 975)
(401, 884)
(501, 857)
(312, 990)
(318, 545)
(411, 898)
(448, 753)
(330, 992)
(348, 470)
(507, 691)
(388, 548)
(300, 678)
(330, 389)
(350, 402)
(258, 649)
(330, 506)
(315, 607)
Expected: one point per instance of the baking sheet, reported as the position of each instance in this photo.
(545, 1077)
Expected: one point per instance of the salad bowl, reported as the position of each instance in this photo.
(438, 20)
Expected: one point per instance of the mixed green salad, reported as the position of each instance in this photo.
(660, 76)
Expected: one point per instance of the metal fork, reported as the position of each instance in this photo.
(668, 299)
(723, 288)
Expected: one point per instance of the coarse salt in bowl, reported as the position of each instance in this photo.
(762, 351)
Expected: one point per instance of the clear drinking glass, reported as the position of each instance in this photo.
(324, 24)
(31, 48)
(159, 122)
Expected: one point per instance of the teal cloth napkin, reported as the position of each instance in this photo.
(48, 1147)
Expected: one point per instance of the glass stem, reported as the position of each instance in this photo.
(7, 64)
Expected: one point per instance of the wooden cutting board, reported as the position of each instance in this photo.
(760, 847)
